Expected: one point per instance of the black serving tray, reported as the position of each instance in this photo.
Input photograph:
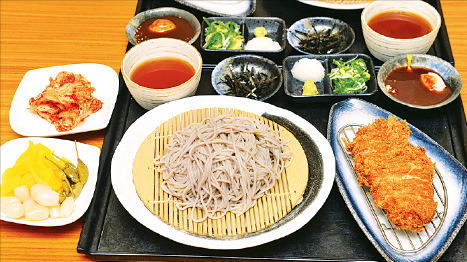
(110, 233)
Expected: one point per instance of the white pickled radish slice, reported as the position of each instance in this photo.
(5, 201)
(54, 211)
(28, 204)
(37, 213)
(47, 197)
(22, 193)
(67, 207)
(15, 210)
(38, 187)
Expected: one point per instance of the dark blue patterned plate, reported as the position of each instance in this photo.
(450, 183)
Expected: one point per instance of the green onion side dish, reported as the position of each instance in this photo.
(220, 35)
(349, 77)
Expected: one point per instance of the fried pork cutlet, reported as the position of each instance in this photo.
(66, 101)
(398, 174)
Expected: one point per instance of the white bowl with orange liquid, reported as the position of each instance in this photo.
(161, 70)
(404, 38)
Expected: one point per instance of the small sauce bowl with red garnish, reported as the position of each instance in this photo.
(419, 81)
(164, 22)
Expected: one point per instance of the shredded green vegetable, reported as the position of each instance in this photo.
(349, 77)
(220, 35)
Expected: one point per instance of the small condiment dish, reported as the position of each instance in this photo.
(275, 28)
(252, 63)
(442, 67)
(293, 87)
(339, 32)
(149, 98)
(160, 12)
(384, 47)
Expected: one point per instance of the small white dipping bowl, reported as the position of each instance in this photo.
(149, 98)
(383, 47)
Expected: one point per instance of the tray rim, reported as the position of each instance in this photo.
(94, 219)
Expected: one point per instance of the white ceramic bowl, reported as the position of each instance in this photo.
(149, 98)
(383, 47)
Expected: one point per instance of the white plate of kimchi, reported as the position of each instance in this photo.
(80, 107)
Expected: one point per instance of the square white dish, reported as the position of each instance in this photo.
(11, 150)
(24, 122)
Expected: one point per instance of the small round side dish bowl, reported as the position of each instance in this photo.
(160, 12)
(149, 98)
(442, 67)
(252, 63)
(383, 47)
(326, 27)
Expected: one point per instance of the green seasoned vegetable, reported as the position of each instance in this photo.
(220, 35)
(349, 77)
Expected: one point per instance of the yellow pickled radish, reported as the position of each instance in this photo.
(43, 175)
(28, 180)
(10, 181)
(31, 168)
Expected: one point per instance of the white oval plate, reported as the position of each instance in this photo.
(124, 156)
(11, 150)
(26, 123)
(335, 5)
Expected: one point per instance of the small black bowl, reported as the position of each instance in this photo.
(236, 64)
(346, 35)
(293, 87)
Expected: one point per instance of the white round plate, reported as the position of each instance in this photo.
(11, 150)
(122, 175)
(24, 122)
(336, 5)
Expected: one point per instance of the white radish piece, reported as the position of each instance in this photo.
(54, 211)
(5, 201)
(67, 207)
(15, 210)
(28, 204)
(38, 187)
(22, 193)
(37, 213)
(47, 197)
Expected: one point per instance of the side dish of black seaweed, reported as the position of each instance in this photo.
(249, 83)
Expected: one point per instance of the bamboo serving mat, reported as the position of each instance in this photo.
(272, 207)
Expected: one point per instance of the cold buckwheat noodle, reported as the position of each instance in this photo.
(222, 164)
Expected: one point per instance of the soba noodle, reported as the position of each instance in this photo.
(222, 164)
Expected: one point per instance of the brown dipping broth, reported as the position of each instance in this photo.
(162, 72)
(407, 87)
(400, 24)
(183, 30)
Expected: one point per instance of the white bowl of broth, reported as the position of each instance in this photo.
(419, 84)
(160, 70)
(164, 22)
(391, 28)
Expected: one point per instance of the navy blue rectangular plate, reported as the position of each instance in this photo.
(450, 183)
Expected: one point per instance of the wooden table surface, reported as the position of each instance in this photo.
(36, 34)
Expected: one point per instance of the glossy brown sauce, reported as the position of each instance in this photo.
(183, 29)
(400, 25)
(406, 86)
(162, 72)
